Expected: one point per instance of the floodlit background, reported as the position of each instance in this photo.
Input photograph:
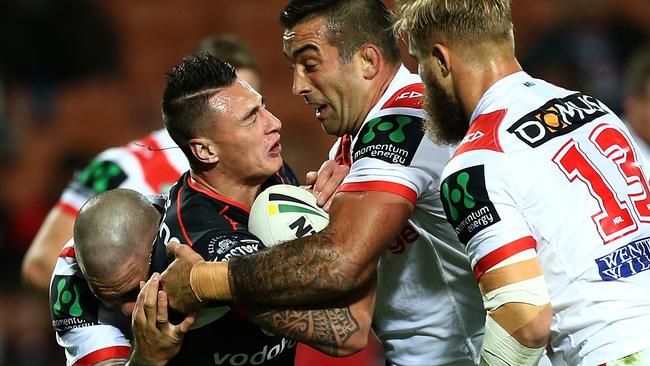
(78, 76)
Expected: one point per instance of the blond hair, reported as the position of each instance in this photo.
(463, 22)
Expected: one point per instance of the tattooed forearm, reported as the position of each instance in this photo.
(325, 329)
(305, 271)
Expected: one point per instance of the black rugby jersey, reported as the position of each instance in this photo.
(217, 228)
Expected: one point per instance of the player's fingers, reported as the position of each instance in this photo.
(329, 188)
(185, 325)
(151, 297)
(311, 177)
(161, 315)
(324, 174)
(138, 317)
(327, 204)
(172, 247)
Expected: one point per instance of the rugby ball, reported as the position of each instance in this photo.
(284, 212)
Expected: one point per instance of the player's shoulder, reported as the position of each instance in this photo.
(72, 304)
(200, 210)
(392, 131)
(519, 113)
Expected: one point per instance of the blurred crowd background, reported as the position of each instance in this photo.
(78, 76)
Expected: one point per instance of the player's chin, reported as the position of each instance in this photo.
(273, 163)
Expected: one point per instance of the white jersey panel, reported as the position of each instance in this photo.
(563, 176)
(428, 310)
(84, 327)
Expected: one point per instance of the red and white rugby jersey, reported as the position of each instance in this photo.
(86, 329)
(140, 166)
(428, 310)
(547, 168)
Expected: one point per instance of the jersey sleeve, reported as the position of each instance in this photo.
(482, 203)
(75, 314)
(391, 154)
(109, 170)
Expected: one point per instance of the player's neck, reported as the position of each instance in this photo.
(381, 84)
(473, 81)
(227, 187)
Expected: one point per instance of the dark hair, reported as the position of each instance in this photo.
(351, 24)
(227, 48)
(189, 87)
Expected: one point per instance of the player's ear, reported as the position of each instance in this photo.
(441, 54)
(204, 150)
(371, 60)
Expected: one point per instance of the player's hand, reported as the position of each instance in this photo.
(326, 181)
(175, 279)
(156, 339)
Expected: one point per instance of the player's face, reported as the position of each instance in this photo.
(246, 134)
(446, 120)
(335, 90)
(121, 289)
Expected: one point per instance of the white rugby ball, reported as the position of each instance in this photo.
(284, 212)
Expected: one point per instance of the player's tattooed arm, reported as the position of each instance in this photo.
(328, 265)
(338, 329)
(307, 262)
(328, 330)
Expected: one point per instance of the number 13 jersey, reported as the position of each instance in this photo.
(551, 169)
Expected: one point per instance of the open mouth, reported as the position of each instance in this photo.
(276, 149)
(319, 108)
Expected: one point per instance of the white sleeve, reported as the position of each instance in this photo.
(86, 330)
(89, 345)
(397, 160)
(482, 202)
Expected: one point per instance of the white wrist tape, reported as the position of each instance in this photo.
(501, 349)
(532, 291)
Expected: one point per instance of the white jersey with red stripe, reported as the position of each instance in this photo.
(149, 165)
(428, 310)
(87, 330)
(547, 168)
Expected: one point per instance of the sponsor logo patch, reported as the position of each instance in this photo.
(556, 118)
(72, 304)
(393, 139)
(466, 202)
(224, 247)
(266, 354)
(100, 176)
(625, 261)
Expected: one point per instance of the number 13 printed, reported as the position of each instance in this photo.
(614, 219)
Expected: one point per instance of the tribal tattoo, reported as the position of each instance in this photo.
(325, 329)
(312, 268)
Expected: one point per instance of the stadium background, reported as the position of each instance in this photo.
(78, 76)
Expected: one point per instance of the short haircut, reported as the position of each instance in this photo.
(637, 73)
(227, 48)
(185, 103)
(351, 24)
(111, 227)
(463, 22)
